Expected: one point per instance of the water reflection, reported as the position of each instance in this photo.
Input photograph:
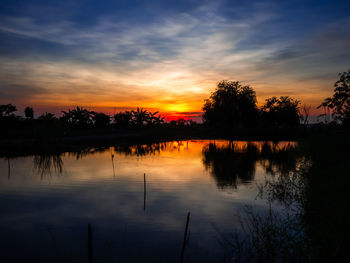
(231, 163)
(135, 197)
(48, 164)
(152, 149)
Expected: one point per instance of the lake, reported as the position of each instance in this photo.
(130, 204)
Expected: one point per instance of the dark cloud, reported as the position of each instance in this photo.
(11, 92)
(191, 113)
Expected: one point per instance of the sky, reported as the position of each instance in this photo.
(168, 56)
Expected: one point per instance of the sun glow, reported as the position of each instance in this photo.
(182, 107)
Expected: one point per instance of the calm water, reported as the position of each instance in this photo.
(47, 201)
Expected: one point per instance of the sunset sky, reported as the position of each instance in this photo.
(167, 55)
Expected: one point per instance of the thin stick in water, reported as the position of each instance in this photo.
(144, 192)
(9, 168)
(185, 238)
(90, 251)
(112, 155)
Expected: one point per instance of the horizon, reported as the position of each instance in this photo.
(168, 56)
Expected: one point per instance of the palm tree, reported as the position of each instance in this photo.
(154, 120)
(139, 117)
(78, 117)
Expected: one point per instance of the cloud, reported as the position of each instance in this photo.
(131, 57)
(17, 93)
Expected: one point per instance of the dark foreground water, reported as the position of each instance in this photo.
(136, 200)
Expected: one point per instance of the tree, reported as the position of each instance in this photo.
(101, 120)
(139, 117)
(339, 103)
(29, 113)
(154, 120)
(282, 112)
(7, 111)
(122, 119)
(306, 114)
(47, 117)
(78, 117)
(231, 105)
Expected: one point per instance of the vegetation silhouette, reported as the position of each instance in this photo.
(281, 113)
(7, 111)
(313, 225)
(271, 237)
(339, 103)
(123, 119)
(325, 206)
(77, 117)
(231, 105)
(230, 111)
(29, 113)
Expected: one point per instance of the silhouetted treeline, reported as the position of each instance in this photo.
(230, 110)
(80, 120)
(233, 105)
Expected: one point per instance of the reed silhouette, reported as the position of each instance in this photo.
(313, 225)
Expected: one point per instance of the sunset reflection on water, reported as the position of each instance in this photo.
(105, 187)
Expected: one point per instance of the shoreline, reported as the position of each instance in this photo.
(53, 144)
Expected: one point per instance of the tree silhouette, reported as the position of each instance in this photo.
(78, 117)
(48, 117)
(339, 103)
(29, 113)
(231, 105)
(282, 112)
(154, 120)
(7, 111)
(123, 119)
(139, 117)
(100, 120)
